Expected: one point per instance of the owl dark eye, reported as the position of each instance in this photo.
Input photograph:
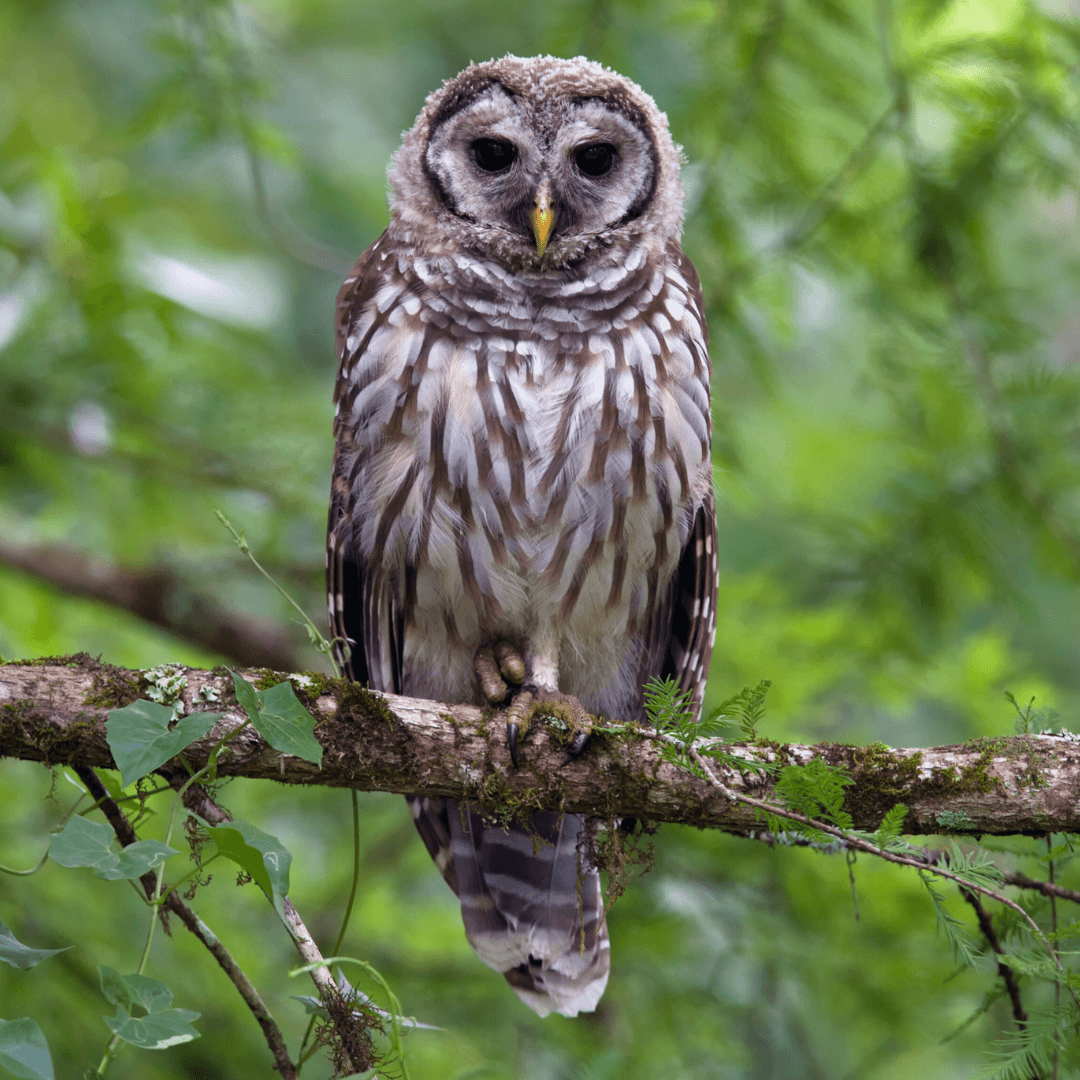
(493, 155)
(595, 159)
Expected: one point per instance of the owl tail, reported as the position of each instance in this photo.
(530, 901)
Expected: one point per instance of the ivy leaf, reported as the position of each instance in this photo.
(141, 740)
(279, 718)
(136, 859)
(24, 1051)
(286, 725)
(89, 843)
(82, 843)
(157, 1031)
(134, 992)
(143, 1016)
(246, 696)
(18, 955)
(259, 854)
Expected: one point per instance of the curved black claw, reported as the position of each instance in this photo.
(519, 718)
(577, 746)
(512, 742)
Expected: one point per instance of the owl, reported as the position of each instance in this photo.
(522, 499)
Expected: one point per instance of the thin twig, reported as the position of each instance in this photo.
(1054, 928)
(316, 635)
(1047, 888)
(198, 800)
(125, 833)
(345, 918)
(865, 845)
(986, 925)
(851, 877)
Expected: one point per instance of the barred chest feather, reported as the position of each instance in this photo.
(529, 452)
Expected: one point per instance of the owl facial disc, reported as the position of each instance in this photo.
(541, 164)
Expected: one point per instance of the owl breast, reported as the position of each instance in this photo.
(530, 452)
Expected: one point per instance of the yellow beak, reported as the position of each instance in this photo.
(542, 217)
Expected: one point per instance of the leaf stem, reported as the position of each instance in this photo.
(44, 858)
(110, 1050)
(355, 873)
(316, 634)
(345, 918)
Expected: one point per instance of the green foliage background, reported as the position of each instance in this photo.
(883, 207)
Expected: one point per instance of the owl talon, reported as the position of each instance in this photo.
(530, 702)
(572, 713)
(492, 685)
(498, 668)
(511, 662)
(519, 719)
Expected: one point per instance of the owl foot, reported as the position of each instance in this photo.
(498, 667)
(530, 702)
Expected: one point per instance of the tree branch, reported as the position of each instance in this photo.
(159, 596)
(54, 710)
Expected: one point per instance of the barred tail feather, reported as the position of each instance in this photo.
(525, 913)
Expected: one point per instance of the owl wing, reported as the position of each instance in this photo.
(691, 608)
(345, 576)
(366, 609)
(681, 633)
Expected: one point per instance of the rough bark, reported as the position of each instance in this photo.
(54, 711)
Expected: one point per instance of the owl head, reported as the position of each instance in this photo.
(539, 163)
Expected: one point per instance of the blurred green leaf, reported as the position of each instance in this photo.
(23, 1050)
(18, 955)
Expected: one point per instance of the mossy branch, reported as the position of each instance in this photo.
(54, 711)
